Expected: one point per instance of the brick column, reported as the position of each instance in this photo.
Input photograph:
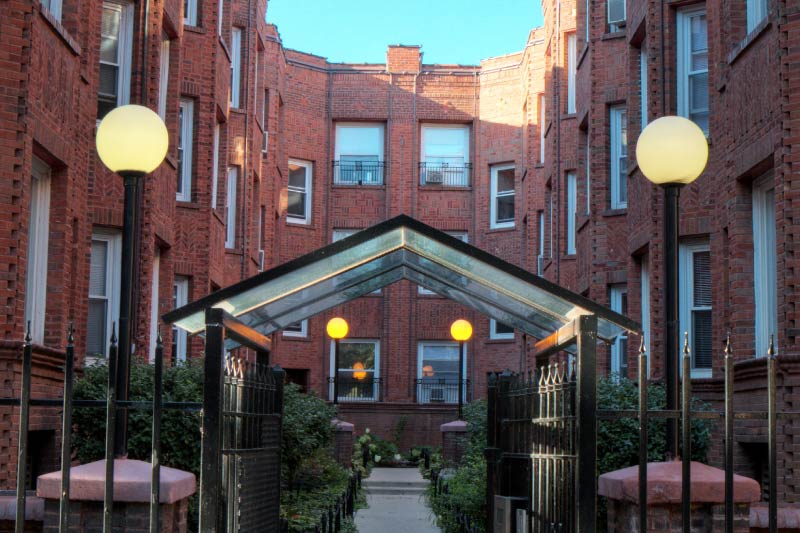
(132, 480)
(343, 442)
(664, 499)
(454, 441)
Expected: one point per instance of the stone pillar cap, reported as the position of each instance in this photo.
(341, 425)
(132, 481)
(664, 484)
(455, 425)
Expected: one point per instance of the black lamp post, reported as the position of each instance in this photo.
(672, 152)
(461, 330)
(132, 141)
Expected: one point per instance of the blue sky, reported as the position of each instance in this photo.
(450, 31)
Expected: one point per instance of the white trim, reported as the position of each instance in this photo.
(572, 58)
(756, 12)
(230, 207)
(185, 145)
(618, 348)
(643, 85)
(496, 195)
(190, 13)
(215, 167)
(375, 370)
(686, 298)
(685, 70)
(765, 262)
(54, 7)
(542, 125)
(306, 190)
(112, 273)
(618, 118)
(421, 345)
(163, 79)
(645, 303)
(154, 304)
(463, 236)
(301, 334)
(180, 296)
(38, 249)
(572, 212)
(494, 335)
(236, 66)
(124, 49)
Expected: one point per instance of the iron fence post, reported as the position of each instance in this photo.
(66, 431)
(24, 419)
(643, 435)
(671, 296)
(686, 448)
(211, 454)
(728, 436)
(158, 386)
(772, 382)
(586, 493)
(111, 426)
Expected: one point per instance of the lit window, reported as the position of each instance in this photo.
(572, 57)
(438, 375)
(695, 304)
(463, 236)
(236, 65)
(619, 157)
(572, 204)
(764, 263)
(693, 66)
(38, 242)
(358, 370)
(616, 15)
(445, 155)
(358, 157)
(180, 297)
(104, 289)
(215, 167)
(54, 7)
(502, 196)
(619, 350)
(185, 145)
(154, 304)
(756, 12)
(190, 12)
(298, 329)
(499, 331)
(163, 79)
(116, 34)
(230, 207)
(299, 199)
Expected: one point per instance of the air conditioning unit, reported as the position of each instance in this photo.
(434, 176)
(261, 260)
(437, 394)
(616, 14)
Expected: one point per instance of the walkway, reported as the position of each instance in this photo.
(396, 503)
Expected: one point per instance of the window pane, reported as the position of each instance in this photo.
(698, 92)
(356, 352)
(96, 327)
(503, 329)
(297, 204)
(505, 180)
(109, 35)
(297, 177)
(108, 80)
(701, 335)
(699, 37)
(505, 208)
(702, 279)
(97, 269)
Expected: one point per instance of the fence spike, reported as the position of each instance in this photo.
(113, 333)
(728, 351)
(686, 350)
(642, 347)
(71, 334)
(159, 339)
(28, 337)
(771, 348)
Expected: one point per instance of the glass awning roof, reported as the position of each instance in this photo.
(400, 248)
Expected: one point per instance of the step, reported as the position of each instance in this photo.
(396, 491)
(390, 483)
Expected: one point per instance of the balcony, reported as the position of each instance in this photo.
(445, 174)
(355, 390)
(358, 172)
(432, 391)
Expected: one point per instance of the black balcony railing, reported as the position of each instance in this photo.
(445, 174)
(351, 389)
(358, 172)
(439, 391)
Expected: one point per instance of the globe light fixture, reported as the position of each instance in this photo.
(337, 329)
(461, 330)
(132, 141)
(671, 152)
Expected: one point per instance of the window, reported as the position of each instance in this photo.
(190, 12)
(185, 144)
(264, 115)
(298, 329)
(549, 195)
(236, 65)
(359, 154)
(756, 12)
(463, 236)
(215, 167)
(695, 303)
(619, 157)
(587, 21)
(230, 207)
(588, 174)
(154, 304)
(299, 201)
(572, 58)
(542, 126)
(38, 242)
(104, 288)
(764, 263)
(116, 34)
(54, 7)
(500, 331)
(220, 14)
(163, 79)
(540, 257)
(645, 320)
(643, 84)
(438, 375)
(358, 370)
(692, 57)
(572, 207)
(502, 196)
(616, 15)
(618, 295)
(180, 297)
(445, 155)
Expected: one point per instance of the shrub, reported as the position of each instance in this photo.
(306, 428)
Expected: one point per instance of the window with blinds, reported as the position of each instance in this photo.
(116, 36)
(696, 304)
(104, 288)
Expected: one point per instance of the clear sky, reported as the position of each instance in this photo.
(449, 31)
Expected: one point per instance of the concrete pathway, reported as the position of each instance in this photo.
(396, 503)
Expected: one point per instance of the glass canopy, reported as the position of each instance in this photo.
(400, 248)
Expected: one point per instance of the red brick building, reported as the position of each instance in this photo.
(275, 153)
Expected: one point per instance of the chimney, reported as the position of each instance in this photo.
(402, 58)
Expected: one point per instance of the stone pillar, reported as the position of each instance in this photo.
(454, 441)
(132, 481)
(664, 499)
(343, 442)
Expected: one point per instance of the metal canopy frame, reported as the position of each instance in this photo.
(399, 248)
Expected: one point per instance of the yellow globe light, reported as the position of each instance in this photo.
(358, 370)
(461, 330)
(132, 138)
(337, 328)
(672, 150)
(427, 371)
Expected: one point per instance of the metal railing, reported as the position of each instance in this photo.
(440, 391)
(358, 172)
(445, 174)
(332, 519)
(367, 389)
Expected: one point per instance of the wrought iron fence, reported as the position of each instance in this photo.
(465, 523)
(358, 172)
(331, 520)
(445, 174)
(367, 389)
(441, 391)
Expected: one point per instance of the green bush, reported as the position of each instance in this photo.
(306, 428)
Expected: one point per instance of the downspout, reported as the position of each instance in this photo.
(247, 118)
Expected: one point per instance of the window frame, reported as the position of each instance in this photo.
(37, 257)
(618, 348)
(494, 196)
(215, 166)
(180, 297)
(113, 273)
(644, 286)
(619, 24)
(306, 219)
(588, 174)
(757, 12)
(220, 15)
(420, 363)
(339, 131)
(54, 7)
(618, 119)
(236, 67)
(765, 262)
(163, 78)
(643, 100)
(302, 334)
(497, 336)
(542, 126)
(540, 257)
(124, 50)
(572, 59)
(185, 150)
(687, 249)
(375, 370)
(465, 149)
(572, 212)
(231, 184)
(683, 59)
(190, 13)
(154, 296)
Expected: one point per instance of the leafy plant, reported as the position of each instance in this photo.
(306, 428)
